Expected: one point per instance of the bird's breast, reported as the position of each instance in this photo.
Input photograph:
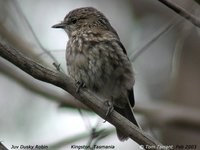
(79, 64)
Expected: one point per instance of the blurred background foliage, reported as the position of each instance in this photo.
(163, 48)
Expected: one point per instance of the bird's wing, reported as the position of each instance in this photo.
(130, 92)
(131, 97)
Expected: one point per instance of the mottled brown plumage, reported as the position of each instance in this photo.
(96, 57)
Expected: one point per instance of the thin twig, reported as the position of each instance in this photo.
(182, 12)
(23, 17)
(73, 139)
(85, 96)
(144, 46)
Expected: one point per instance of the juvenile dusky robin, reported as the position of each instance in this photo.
(97, 59)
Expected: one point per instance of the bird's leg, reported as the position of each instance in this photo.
(79, 84)
(110, 105)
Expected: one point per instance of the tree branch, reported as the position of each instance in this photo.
(85, 96)
(38, 87)
(182, 12)
(166, 114)
(2, 147)
(160, 114)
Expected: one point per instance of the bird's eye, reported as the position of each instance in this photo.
(73, 20)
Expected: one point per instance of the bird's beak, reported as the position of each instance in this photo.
(59, 25)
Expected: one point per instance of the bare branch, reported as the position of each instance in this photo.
(39, 87)
(2, 147)
(144, 46)
(165, 114)
(162, 114)
(182, 12)
(85, 96)
(76, 138)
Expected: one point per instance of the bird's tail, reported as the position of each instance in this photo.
(128, 113)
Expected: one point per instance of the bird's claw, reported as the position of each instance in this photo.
(79, 85)
(109, 103)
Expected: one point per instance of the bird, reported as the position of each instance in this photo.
(97, 60)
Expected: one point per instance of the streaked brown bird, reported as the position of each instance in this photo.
(96, 58)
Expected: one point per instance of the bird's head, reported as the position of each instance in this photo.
(84, 19)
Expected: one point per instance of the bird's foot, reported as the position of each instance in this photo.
(79, 84)
(109, 103)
